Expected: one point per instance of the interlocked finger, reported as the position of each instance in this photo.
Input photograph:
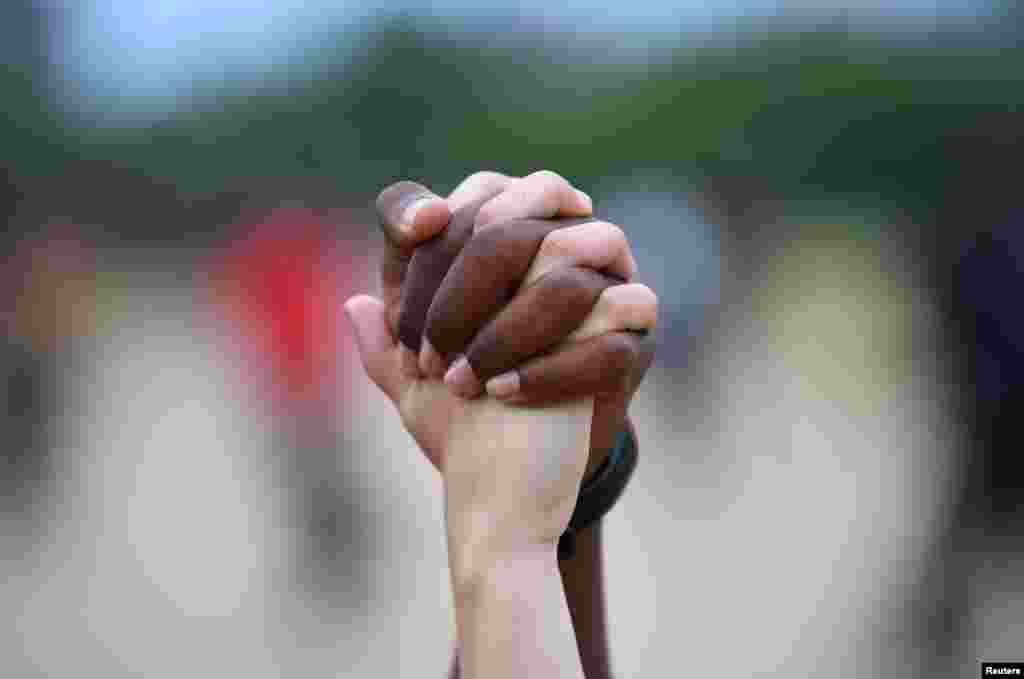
(537, 319)
(487, 274)
(632, 306)
(607, 364)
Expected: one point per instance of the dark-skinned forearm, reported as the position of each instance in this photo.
(583, 582)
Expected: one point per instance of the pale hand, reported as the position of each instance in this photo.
(512, 475)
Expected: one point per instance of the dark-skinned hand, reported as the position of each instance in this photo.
(507, 283)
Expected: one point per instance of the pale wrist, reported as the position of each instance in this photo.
(479, 546)
(511, 476)
(484, 572)
(513, 620)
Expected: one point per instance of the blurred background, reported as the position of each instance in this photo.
(197, 480)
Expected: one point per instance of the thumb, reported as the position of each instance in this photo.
(375, 340)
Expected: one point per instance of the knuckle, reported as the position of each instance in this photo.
(615, 234)
(615, 237)
(612, 235)
(550, 177)
(484, 216)
(487, 245)
(579, 239)
(547, 174)
(485, 180)
(569, 288)
(558, 242)
(578, 277)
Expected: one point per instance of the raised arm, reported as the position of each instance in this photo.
(604, 360)
(511, 478)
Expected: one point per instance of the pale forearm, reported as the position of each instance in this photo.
(502, 525)
(479, 537)
(514, 621)
(583, 583)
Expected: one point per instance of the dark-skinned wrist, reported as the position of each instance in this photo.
(583, 583)
(602, 439)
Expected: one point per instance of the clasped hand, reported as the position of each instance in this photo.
(494, 289)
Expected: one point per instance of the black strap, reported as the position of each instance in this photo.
(601, 491)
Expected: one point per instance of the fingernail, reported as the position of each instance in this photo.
(503, 385)
(410, 364)
(431, 362)
(409, 214)
(461, 379)
(586, 199)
